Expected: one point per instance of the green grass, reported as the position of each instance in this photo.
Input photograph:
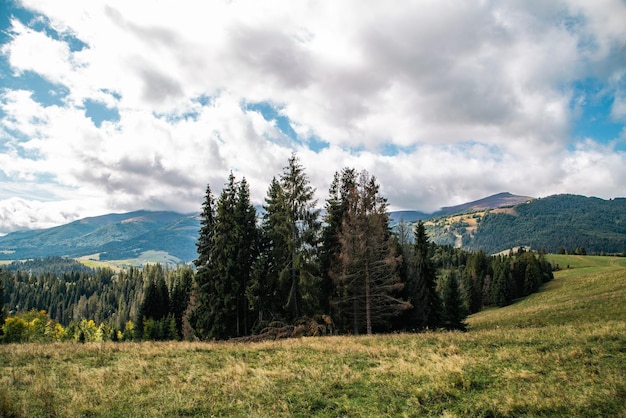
(146, 257)
(560, 352)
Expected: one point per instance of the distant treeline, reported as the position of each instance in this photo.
(283, 275)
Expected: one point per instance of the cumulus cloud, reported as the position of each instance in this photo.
(443, 102)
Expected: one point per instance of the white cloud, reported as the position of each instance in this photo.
(477, 96)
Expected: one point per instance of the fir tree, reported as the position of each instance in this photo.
(424, 297)
(454, 313)
(223, 305)
(292, 222)
(200, 309)
(336, 210)
(367, 282)
(264, 290)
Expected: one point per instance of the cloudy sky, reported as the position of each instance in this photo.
(112, 106)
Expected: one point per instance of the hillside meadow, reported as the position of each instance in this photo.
(559, 352)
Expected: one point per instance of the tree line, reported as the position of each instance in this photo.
(344, 272)
(291, 263)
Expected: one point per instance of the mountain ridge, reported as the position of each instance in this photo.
(551, 222)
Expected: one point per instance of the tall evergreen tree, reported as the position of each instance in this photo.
(156, 303)
(367, 283)
(454, 312)
(422, 283)
(336, 209)
(180, 292)
(264, 290)
(200, 308)
(223, 300)
(207, 225)
(246, 238)
(500, 287)
(221, 289)
(297, 225)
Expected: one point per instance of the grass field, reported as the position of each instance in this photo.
(560, 352)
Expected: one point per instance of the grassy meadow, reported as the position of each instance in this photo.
(559, 352)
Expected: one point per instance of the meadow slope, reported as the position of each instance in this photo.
(560, 352)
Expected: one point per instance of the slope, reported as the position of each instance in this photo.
(568, 359)
(567, 221)
(113, 236)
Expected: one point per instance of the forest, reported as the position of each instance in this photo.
(557, 223)
(285, 272)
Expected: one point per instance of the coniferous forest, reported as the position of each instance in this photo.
(287, 271)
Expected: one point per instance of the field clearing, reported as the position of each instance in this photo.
(560, 352)
(146, 257)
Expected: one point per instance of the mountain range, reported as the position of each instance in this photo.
(492, 224)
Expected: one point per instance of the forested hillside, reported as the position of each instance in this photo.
(288, 275)
(110, 237)
(565, 222)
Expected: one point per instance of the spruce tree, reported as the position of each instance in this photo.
(454, 313)
(222, 288)
(200, 309)
(264, 291)
(336, 209)
(426, 311)
(296, 226)
(246, 238)
(367, 283)
(222, 303)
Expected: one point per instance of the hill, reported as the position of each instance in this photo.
(559, 352)
(567, 221)
(558, 222)
(112, 236)
(495, 201)
(493, 224)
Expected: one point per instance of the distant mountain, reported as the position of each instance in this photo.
(113, 236)
(495, 201)
(492, 224)
(558, 222)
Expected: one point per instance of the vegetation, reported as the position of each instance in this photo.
(559, 352)
(353, 275)
(110, 299)
(565, 221)
(136, 235)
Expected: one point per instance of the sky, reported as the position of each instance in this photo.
(114, 106)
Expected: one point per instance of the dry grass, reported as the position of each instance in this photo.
(506, 365)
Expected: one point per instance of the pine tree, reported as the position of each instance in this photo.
(222, 300)
(426, 311)
(264, 290)
(500, 293)
(200, 308)
(294, 224)
(336, 209)
(179, 296)
(454, 313)
(246, 237)
(367, 283)
(221, 289)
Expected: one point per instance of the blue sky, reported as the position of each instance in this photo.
(112, 106)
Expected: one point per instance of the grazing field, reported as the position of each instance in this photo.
(560, 352)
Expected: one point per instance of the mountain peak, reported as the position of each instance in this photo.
(495, 201)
